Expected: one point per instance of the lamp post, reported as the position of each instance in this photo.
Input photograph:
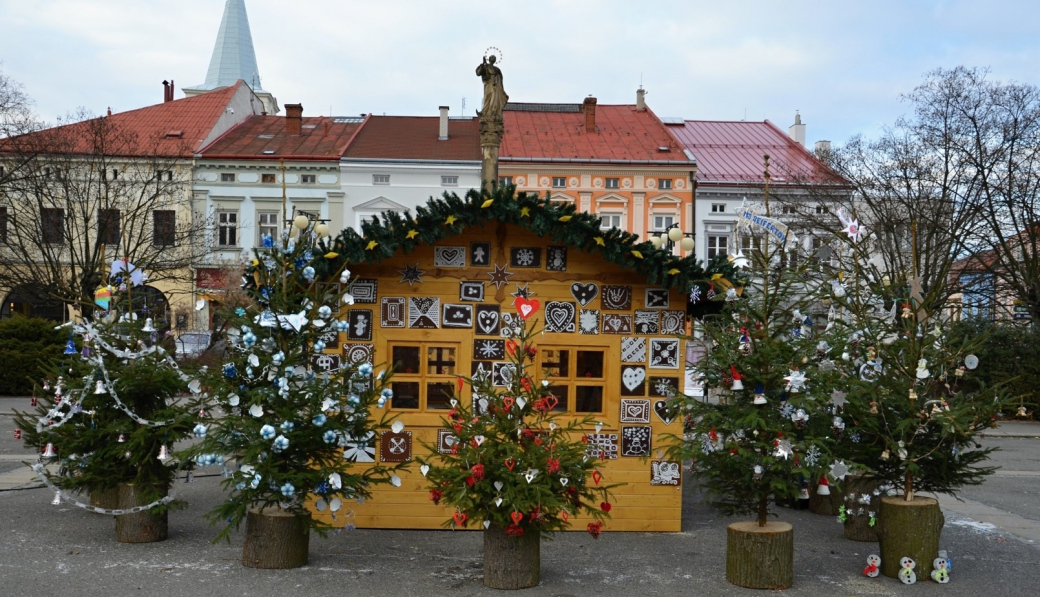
(673, 234)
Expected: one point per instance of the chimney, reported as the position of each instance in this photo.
(640, 100)
(797, 130)
(167, 93)
(293, 118)
(442, 135)
(589, 106)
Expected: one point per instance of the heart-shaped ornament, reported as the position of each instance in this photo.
(599, 426)
(454, 402)
(633, 377)
(449, 440)
(499, 485)
(397, 427)
(531, 474)
(498, 501)
(487, 321)
(487, 523)
(584, 293)
(508, 402)
(597, 476)
(552, 425)
(479, 439)
(510, 463)
(521, 403)
(564, 481)
(424, 469)
(526, 307)
(661, 410)
(395, 481)
(459, 518)
(517, 517)
(565, 515)
(551, 401)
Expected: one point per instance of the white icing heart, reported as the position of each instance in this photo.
(395, 481)
(633, 377)
(479, 439)
(498, 501)
(499, 485)
(424, 469)
(487, 523)
(563, 481)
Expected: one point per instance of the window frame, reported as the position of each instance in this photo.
(381, 179)
(664, 184)
(3, 224)
(268, 178)
(164, 231)
(611, 214)
(718, 208)
(262, 225)
(52, 225)
(308, 179)
(449, 181)
(562, 180)
(504, 181)
(227, 228)
(104, 226)
(612, 182)
(720, 248)
(573, 380)
(423, 378)
(228, 177)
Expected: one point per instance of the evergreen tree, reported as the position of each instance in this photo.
(280, 406)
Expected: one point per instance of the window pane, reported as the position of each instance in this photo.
(588, 399)
(440, 360)
(406, 394)
(406, 360)
(438, 395)
(562, 394)
(556, 362)
(590, 363)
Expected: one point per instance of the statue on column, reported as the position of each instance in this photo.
(492, 125)
(495, 97)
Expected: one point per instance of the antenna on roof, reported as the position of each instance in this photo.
(463, 107)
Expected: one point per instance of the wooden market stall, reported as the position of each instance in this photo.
(434, 295)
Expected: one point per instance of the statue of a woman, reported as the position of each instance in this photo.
(495, 97)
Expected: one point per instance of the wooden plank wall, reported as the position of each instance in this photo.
(638, 505)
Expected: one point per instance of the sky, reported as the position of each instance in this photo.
(844, 65)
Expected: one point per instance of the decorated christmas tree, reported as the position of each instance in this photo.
(911, 395)
(112, 411)
(515, 466)
(760, 427)
(284, 409)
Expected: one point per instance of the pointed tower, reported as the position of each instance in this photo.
(233, 58)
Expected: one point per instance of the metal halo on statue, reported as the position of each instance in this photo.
(494, 50)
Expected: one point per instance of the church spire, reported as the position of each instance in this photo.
(233, 57)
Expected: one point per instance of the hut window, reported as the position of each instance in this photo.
(424, 375)
(578, 376)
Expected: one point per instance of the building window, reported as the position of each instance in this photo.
(717, 245)
(821, 209)
(268, 178)
(52, 221)
(3, 223)
(578, 377)
(718, 208)
(505, 181)
(665, 184)
(108, 226)
(750, 244)
(613, 183)
(608, 221)
(162, 175)
(308, 178)
(424, 375)
(559, 182)
(115, 174)
(380, 179)
(788, 210)
(449, 181)
(227, 177)
(227, 229)
(164, 227)
(267, 226)
(662, 223)
(979, 293)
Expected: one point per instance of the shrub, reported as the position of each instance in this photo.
(29, 347)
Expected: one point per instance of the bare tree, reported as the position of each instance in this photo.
(16, 115)
(89, 193)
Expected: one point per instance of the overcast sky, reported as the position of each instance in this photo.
(843, 64)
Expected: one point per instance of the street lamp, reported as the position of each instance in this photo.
(668, 238)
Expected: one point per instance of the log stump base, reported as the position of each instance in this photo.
(511, 562)
(276, 539)
(147, 526)
(760, 557)
(857, 526)
(827, 505)
(909, 529)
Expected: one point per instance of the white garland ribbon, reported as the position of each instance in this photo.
(41, 473)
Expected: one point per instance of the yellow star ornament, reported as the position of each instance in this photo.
(450, 220)
(487, 204)
(637, 254)
(674, 271)
(599, 241)
(411, 234)
(525, 212)
(565, 218)
(331, 255)
(371, 245)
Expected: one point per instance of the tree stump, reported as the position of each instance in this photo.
(857, 526)
(105, 498)
(276, 539)
(511, 562)
(147, 526)
(760, 557)
(909, 529)
(826, 505)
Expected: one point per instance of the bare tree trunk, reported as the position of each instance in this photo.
(511, 562)
(760, 557)
(909, 529)
(276, 539)
(146, 526)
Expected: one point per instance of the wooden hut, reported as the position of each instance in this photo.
(434, 295)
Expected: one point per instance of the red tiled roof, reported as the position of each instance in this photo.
(265, 137)
(556, 132)
(415, 138)
(731, 151)
(169, 129)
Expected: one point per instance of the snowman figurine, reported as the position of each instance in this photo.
(873, 566)
(941, 572)
(906, 571)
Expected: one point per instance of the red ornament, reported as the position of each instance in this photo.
(565, 516)
(510, 347)
(605, 506)
(470, 480)
(553, 465)
(459, 518)
(478, 471)
(517, 517)
(17, 433)
(526, 383)
(33, 401)
(514, 530)
(595, 528)
(596, 476)
(525, 308)
(508, 402)
(510, 463)
(551, 402)
(458, 384)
